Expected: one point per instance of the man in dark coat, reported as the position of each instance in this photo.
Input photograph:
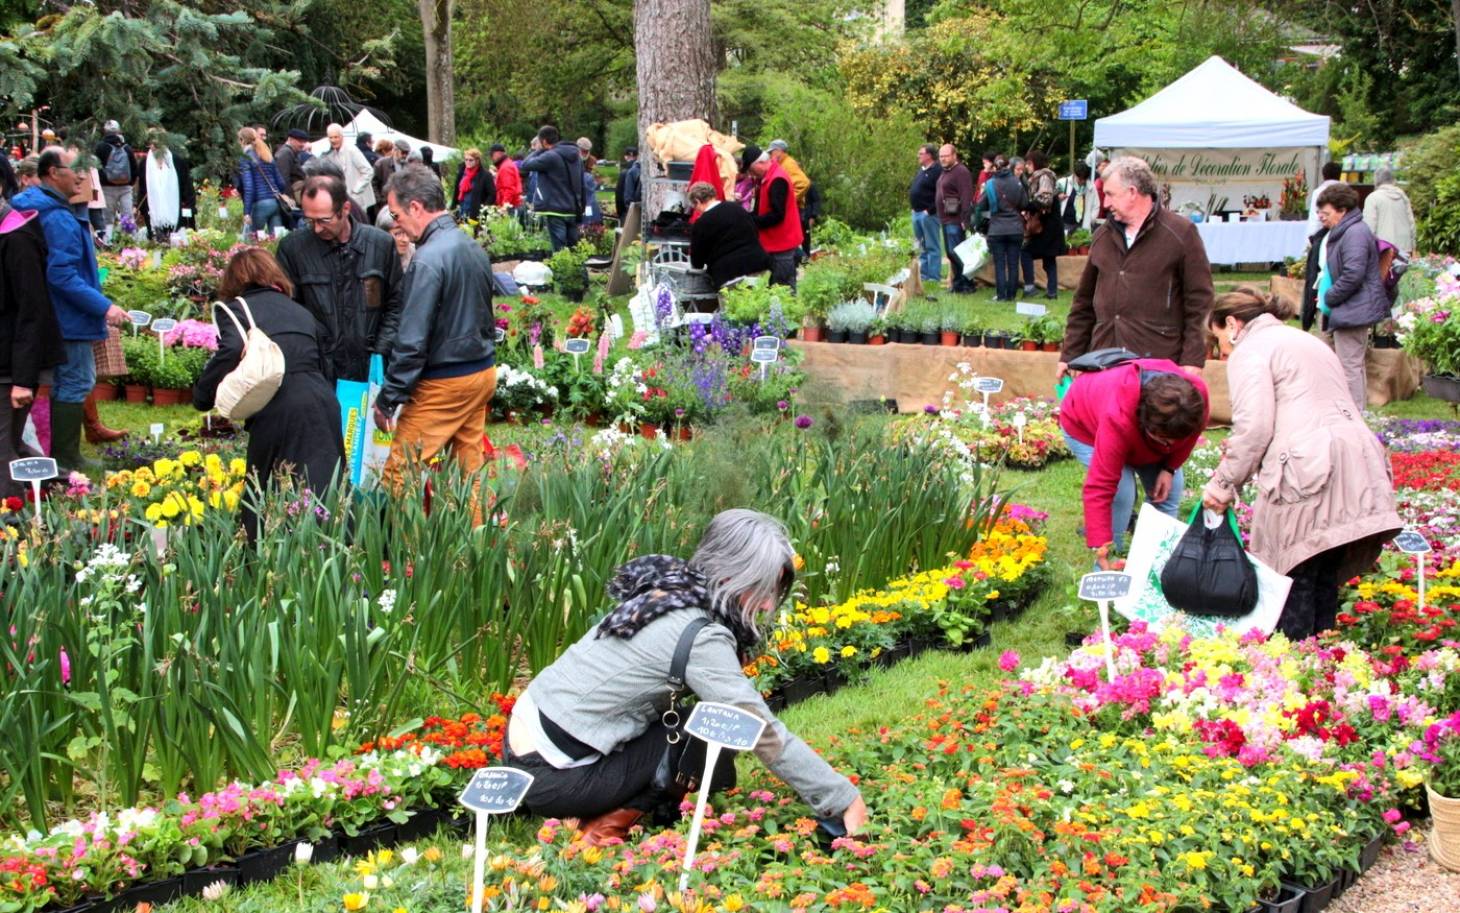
(629, 188)
(557, 194)
(1147, 285)
(289, 160)
(347, 275)
(30, 337)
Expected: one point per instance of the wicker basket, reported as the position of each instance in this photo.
(1445, 836)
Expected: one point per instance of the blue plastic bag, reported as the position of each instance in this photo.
(366, 447)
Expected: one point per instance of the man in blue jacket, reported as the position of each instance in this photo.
(75, 289)
(558, 195)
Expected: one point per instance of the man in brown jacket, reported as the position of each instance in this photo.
(1147, 285)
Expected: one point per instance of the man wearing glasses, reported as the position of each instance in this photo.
(347, 275)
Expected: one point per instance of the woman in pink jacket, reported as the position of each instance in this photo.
(1140, 419)
(1325, 497)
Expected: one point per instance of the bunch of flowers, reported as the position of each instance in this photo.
(581, 324)
(132, 257)
(960, 418)
(193, 334)
(1383, 609)
(1430, 470)
(1440, 750)
(467, 743)
(521, 391)
(1409, 434)
(178, 491)
(1429, 328)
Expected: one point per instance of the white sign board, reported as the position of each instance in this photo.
(720, 726)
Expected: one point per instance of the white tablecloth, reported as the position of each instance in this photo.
(1253, 242)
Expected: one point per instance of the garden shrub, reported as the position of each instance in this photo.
(1429, 165)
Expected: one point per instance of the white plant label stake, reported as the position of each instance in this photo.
(1020, 420)
(765, 351)
(156, 429)
(719, 726)
(1102, 588)
(987, 386)
(34, 470)
(492, 791)
(1412, 543)
(139, 319)
(576, 348)
(162, 326)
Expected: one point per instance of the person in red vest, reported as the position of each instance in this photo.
(509, 181)
(776, 215)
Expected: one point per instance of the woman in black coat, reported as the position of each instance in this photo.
(298, 433)
(723, 239)
(1048, 242)
(473, 187)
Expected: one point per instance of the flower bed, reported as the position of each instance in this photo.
(960, 428)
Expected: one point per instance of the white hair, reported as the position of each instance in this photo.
(744, 556)
(1134, 172)
(332, 129)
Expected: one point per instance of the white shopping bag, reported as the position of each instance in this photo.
(1155, 537)
(973, 253)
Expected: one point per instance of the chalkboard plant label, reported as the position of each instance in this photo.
(496, 790)
(724, 725)
(1412, 543)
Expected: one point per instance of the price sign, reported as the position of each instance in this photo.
(766, 342)
(724, 725)
(139, 318)
(223, 212)
(1101, 588)
(577, 346)
(764, 356)
(501, 336)
(157, 259)
(156, 430)
(34, 470)
(765, 351)
(186, 213)
(162, 326)
(1030, 309)
(1412, 543)
(720, 726)
(492, 791)
(988, 385)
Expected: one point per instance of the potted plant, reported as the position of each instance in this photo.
(172, 376)
(877, 331)
(1026, 343)
(141, 353)
(896, 325)
(1386, 334)
(972, 334)
(1429, 329)
(951, 323)
(1079, 241)
(1049, 331)
(1442, 787)
(996, 339)
(856, 315)
(570, 270)
(930, 324)
(836, 325)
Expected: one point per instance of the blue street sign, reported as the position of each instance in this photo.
(1075, 109)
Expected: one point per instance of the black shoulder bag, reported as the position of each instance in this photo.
(1209, 572)
(683, 760)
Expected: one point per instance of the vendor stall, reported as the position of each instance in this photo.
(365, 122)
(1225, 149)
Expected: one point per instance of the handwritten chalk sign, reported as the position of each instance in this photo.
(727, 726)
(577, 346)
(720, 726)
(1101, 588)
(1412, 543)
(496, 790)
(492, 791)
(162, 326)
(34, 470)
(1030, 309)
(139, 318)
(987, 385)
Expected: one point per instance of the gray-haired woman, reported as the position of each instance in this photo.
(589, 727)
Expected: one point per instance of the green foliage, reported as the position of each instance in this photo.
(1434, 188)
(570, 272)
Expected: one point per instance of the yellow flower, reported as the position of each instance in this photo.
(237, 467)
(141, 489)
(190, 458)
(356, 901)
(849, 651)
(164, 467)
(153, 513)
(734, 903)
(821, 655)
(432, 854)
(1194, 860)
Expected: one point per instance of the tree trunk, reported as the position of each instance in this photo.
(440, 72)
(1455, 14)
(676, 74)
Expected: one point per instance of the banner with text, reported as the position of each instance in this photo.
(1228, 179)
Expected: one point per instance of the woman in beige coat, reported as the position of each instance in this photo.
(1325, 498)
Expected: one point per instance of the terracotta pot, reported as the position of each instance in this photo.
(136, 393)
(948, 338)
(811, 333)
(168, 396)
(104, 392)
(685, 433)
(1050, 347)
(878, 340)
(648, 430)
(1445, 836)
(1028, 345)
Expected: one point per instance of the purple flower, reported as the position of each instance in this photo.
(782, 405)
(930, 409)
(803, 422)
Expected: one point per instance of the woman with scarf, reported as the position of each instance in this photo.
(590, 727)
(474, 187)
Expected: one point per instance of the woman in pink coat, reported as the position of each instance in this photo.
(1325, 497)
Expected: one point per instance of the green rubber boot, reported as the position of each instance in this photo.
(66, 423)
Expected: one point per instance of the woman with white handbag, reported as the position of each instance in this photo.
(269, 372)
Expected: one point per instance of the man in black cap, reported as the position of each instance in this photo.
(289, 160)
(777, 217)
(630, 189)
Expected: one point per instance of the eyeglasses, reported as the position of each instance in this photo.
(313, 222)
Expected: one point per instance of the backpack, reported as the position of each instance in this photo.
(118, 167)
(250, 386)
(1393, 264)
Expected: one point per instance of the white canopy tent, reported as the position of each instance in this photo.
(365, 122)
(1213, 107)
(1222, 145)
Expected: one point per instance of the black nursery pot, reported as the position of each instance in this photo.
(974, 341)
(264, 865)
(195, 880)
(932, 339)
(802, 688)
(994, 340)
(371, 837)
(1287, 901)
(836, 335)
(857, 338)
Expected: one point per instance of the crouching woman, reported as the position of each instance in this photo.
(590, 726)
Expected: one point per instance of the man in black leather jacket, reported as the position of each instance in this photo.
(442, 371)
(347, 275)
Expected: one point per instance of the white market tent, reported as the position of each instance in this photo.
(365, 122)
(1213, 107)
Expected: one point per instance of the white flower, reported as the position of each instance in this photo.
(303, 853)
(371, 883)
(409, 855)
(216, 891)
(467, 850)
(386, 601)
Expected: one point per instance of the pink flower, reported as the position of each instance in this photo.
(954, 583)
(65, 667)
(1009, 660)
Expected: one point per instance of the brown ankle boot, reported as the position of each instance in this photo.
(96, 432)
(610, 827)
